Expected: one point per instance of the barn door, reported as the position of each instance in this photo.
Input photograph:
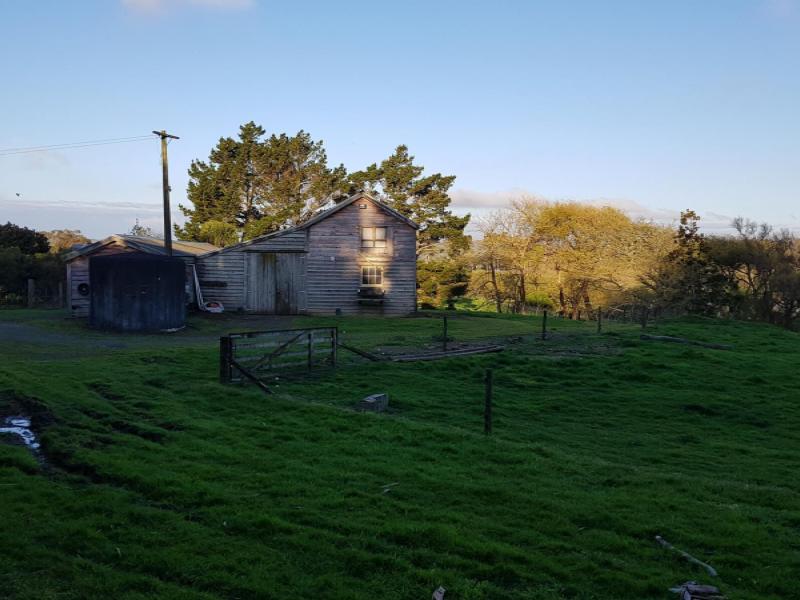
(288, 270)
(261, 283)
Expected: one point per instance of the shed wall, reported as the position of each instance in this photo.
(222, 278)
(78, 273)
(335, 259)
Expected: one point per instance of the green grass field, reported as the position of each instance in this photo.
(158, 482)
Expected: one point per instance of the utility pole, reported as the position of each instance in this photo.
(165, 185)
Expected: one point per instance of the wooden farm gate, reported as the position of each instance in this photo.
(256, 355)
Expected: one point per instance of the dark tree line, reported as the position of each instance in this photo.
(28, 254)
(753, 274)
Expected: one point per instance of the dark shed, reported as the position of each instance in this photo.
(137, 292)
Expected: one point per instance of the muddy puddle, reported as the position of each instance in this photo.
(20, 427)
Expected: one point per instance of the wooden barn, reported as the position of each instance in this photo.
(358, 257)
(78, 281)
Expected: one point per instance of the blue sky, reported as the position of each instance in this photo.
(652, 106)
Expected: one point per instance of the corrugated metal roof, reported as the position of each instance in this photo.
(147, 245)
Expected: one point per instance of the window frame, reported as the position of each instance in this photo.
(376, 275)
(371, 240)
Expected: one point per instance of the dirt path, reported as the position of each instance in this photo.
(47, 338)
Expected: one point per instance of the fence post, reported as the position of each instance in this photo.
(487, 407)
(310, 348)
(225, 356)
(544, 324)
(599, 319)
(60, 294)
(31, 292)
(444, 335)
(644, 316)
(334, 344)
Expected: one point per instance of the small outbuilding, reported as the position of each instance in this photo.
(79, 284)
(132, 291)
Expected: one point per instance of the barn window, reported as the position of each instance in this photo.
(373, 237)
(371, 275)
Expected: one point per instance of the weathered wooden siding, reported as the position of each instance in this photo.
(224, 267)
(292, 241)
(78, 273)
(335, 258)
(290, 283)
(316, 270)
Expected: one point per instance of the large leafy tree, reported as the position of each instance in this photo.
(61, 240)
(400, 183)
(28, 241)
(259, 184)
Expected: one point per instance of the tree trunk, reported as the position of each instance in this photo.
(498, 302)
(587, 303)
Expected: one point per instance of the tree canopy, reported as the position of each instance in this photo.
(424, 199)
(61, 240)
(27, 241)
(260, 184)
(256, 184)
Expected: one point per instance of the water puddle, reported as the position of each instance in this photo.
(21, 427)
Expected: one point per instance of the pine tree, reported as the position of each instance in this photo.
(693, 279)
(260, 185)
(399, 183)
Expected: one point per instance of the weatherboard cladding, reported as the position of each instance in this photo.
(325, 276)
(78, 262)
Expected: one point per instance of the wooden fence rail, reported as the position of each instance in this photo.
(255, 354)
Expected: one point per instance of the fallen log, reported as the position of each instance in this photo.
(711, 570)
(677, 340)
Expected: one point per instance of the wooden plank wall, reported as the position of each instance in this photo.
(322, 265)
(241, 270)
(260, 284)
(335, 258)
(78, 273)
(289, 283)
(292, 241)
(227, 267)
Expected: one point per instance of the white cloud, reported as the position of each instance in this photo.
(160, 6)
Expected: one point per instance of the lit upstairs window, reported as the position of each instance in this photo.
(373, 237)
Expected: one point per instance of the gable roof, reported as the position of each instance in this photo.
(146, 245)
(355, 197)
(317, 218)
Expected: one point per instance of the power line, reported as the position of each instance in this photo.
(72, 145)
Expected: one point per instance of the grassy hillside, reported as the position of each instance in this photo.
(159, 482)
